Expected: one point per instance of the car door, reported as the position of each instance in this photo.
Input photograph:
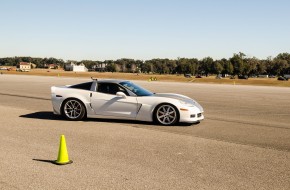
(105, 102)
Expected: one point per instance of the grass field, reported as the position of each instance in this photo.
(165, 78)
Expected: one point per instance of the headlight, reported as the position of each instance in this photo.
(189, 104)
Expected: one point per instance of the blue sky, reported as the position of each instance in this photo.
(143, 29)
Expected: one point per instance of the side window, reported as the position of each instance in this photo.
(110, 88)
(83, 86)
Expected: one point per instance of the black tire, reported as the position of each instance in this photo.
(166, 114)
(73, 109)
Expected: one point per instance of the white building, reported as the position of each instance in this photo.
(24, 66)
(100, 66)
(76, 68)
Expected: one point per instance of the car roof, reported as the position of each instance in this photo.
(117, 81)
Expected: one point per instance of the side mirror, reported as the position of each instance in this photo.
(121, 94)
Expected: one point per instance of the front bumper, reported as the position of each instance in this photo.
(190, 115)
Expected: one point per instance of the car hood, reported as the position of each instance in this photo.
(180, 97)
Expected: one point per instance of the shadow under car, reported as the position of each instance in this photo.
(48, 115)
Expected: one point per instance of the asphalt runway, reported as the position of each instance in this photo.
(243, 143)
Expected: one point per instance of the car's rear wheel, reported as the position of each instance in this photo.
(166, 114)
(73, 109)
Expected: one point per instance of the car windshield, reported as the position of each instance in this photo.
(139, 91)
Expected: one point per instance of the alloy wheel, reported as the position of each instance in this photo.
(72, 109)
(166, 114)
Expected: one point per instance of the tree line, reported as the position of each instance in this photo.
(238, 64)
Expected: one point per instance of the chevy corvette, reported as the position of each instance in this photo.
(121, 99)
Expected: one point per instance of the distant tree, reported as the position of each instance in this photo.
(267, 66)
(284, 56)
(194, 65)
(88, 63)
(17, 60)
(171, 65)
(111, 66)
(206, 65)
(183, 66)
(159, 66)
(37, 61)
(227, 66)
(8, 61)
(238, 63)
(280, 66)
(147, 67)
(250, 66)
(27, 59)
(138, 64)
(261, 68)
(125, 64)
(217, 67)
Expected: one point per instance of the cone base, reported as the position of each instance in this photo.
(62, 163)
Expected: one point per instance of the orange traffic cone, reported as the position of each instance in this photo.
(62, 158)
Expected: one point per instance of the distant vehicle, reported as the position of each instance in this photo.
(121, 99)
(263, 76)
(218, 77)
(282, 78)
(243, 77)
(272, 76)
(187, 76)
(287, 76)
(232, 77)
(3, 68)
(198, 76)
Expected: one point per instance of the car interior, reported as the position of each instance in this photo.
(110, 88)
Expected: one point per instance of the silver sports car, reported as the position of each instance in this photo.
(121, 99)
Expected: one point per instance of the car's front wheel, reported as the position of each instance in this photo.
(73, 109)
(166, 114)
